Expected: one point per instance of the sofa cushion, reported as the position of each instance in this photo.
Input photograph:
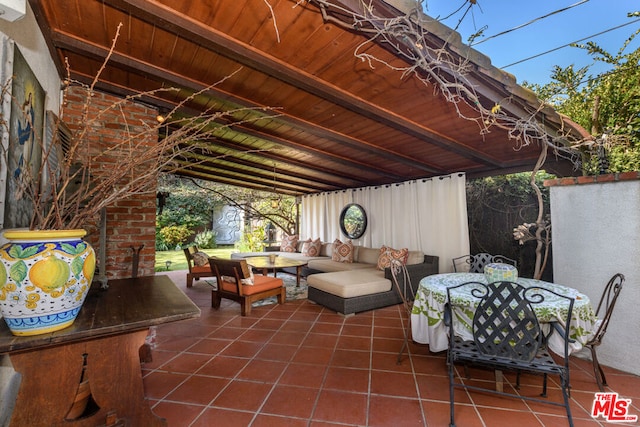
(342, 252)
(289, 243)
(367, 255)
(352, 283)
(327, 265)
(387, 255)
(415, 257)
(326, 249)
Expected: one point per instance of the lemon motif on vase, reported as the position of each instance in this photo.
(3, 278)
(44, 279)
(49, 273)
(89, 266)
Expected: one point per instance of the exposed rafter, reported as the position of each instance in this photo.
(336, 123)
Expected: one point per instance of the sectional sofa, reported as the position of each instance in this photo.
(359, 285)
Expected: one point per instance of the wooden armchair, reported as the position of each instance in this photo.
(196, 268)
(235, 282)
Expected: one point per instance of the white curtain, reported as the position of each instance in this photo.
(427, 214)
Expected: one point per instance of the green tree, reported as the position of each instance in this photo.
(191, 203)
(607, 105)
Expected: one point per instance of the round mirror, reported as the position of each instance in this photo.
(353, 221)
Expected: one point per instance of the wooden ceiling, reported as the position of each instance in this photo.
(332, 121)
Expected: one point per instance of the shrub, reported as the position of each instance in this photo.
(206, 240)
(175, 235)
(252, 240)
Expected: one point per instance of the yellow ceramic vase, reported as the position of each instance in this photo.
(44, 279)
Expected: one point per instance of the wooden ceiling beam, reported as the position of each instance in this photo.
(266, 184)
(333, 175)
(190, 29)
(65, 41)
(232, 182)
(494, 89)
(258, 171)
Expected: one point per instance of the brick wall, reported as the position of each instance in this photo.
(130, 223)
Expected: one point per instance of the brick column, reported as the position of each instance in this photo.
(130, 223)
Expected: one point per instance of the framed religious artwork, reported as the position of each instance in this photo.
(24, 148)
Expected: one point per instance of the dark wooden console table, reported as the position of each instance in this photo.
(89, 374)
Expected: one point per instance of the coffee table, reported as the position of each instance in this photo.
(280, 263)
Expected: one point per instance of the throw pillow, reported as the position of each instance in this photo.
(289, 243)
(200, 259)
(387, 255)
(246, 271)
(249, 281)
(342, 252)
(312, 247)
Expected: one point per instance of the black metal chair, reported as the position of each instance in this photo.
(475, 263)
(606, 305)
(506, 336)
(402, 282)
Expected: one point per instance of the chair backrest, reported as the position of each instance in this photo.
(606, 306)
(231, 272)
(188, 253)
(475, 263)
(504, 321)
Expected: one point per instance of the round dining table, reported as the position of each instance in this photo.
(427, 326)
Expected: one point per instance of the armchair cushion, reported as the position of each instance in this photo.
(201, 269)
(260, 283)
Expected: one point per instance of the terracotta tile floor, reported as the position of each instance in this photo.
(299, 364)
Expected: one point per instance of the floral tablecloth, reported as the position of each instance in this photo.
(427, 325)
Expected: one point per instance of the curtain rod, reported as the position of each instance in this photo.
(441, 177)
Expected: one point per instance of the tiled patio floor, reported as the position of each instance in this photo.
(299, 364)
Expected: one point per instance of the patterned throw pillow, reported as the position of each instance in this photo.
(342, 252)
(246, 272)
(388, 254)
(311, 247)
(289, 243)
(200, 259)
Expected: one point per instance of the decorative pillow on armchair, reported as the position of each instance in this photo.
(289, 243)
(342, 252)
(200, 259)
(387, 255)
(311, 247)
(246, 272)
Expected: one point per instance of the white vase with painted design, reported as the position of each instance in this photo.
(44, 279)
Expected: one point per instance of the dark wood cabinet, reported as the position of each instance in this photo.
(89, 374)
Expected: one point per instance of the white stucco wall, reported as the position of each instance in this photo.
(596, 233)
(28, 37)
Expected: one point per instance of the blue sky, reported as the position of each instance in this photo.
(584, 20)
